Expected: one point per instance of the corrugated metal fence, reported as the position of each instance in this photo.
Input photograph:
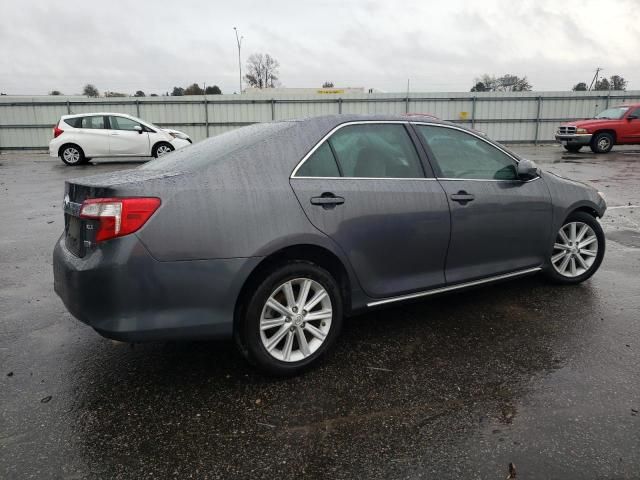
(26, 122)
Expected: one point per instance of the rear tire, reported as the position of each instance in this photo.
(294, 335)
(162, 148)
(578, 250)
(573, 148)
(72, 155)
(602, 143)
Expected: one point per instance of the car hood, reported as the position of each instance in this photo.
(591, 123)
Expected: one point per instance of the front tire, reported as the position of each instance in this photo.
(292, 318)
(162, 148)
(602, 143)
(72, 155)
(578, 250)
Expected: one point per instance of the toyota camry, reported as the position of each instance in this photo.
(273, 233)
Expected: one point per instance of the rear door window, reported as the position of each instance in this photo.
(93, 122)
(320, 163)
(376, 151)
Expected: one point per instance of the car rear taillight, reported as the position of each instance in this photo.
(118, 216)
(57, 131)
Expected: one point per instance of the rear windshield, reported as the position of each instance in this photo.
(214, 149)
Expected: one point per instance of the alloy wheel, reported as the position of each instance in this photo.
(603, 144)
(71, 155)
(296, 320)
(163, 150)
(575, 249)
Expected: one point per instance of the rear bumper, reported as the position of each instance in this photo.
(581, 139)
(124, 293)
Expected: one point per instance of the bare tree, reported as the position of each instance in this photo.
(262, 71)
(505, 83)
(90, 90)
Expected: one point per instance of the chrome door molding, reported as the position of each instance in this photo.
(458, 286)
(338, 127)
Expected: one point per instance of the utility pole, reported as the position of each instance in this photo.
(239, 42)
(595, 78)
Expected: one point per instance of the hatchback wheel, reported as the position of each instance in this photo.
(578, 249)
(72, 155)
(292, 318)
(162, 149)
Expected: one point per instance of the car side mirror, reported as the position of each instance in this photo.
(527, 170)
(138, 128)
(632, 117)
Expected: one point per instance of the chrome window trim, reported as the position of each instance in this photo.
(368, 178)
(338, 127)
(450, 288)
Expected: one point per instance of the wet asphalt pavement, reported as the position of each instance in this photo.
(459, 386)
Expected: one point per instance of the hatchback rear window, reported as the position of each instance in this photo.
(74, 122)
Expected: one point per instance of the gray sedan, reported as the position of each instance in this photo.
(273, 233)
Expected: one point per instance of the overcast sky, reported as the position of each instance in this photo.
(440, 45)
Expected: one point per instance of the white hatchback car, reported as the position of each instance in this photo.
(79, 138)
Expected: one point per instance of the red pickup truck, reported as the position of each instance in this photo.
(615, 126)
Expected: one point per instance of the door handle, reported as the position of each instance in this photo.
(462, 197)
(327, 200)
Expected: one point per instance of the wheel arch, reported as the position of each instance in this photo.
(606, 130)
(316, 254)
(157, 144)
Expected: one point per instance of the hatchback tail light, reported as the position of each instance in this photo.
(118, 217)
(57, 131)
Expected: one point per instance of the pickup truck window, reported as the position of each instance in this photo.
(615, 113)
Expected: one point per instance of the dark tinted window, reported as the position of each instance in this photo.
(320, 164)
(459, 154)
(635, 112)
(123, 123)
(74, 122)
(93, 122)
(376, 151)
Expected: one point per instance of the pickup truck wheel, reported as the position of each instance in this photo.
(602, 143)
(573, 148)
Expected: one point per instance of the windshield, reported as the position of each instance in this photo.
(613, 113)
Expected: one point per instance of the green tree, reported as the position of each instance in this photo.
(479, 87)
(115, 94)
(90, 90)
(602, 84)
(328, 84)
(177, 92)
(580, 87)
(505, 83)
(214, 90)
(139, 93)
(55, 92)
(618, 83)
(193, 89)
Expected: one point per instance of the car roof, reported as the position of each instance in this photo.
(93, 114)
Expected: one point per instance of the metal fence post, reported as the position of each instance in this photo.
(68, 108)
(535, 141)
(406, 104)
(473, 111)
(340, 106)
(273, 109)
(206, 117)
(608, 98)
(137, 108)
